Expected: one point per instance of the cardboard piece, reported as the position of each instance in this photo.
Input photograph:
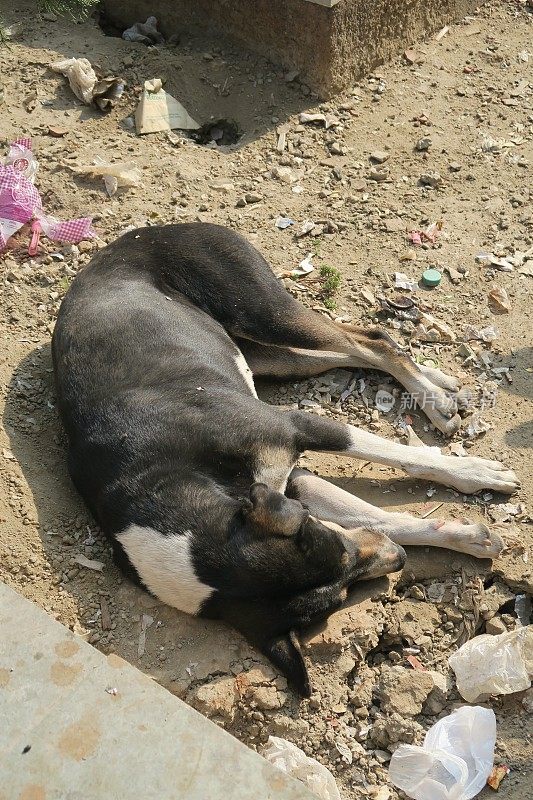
(159, 111)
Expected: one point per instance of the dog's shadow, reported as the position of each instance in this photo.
(180, 650)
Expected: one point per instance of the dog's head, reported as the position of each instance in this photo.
(285, 569)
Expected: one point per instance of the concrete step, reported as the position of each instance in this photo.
(77, 725)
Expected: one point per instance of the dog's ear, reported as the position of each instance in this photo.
(262, 625)
(259, 493)
(286, 654)
(273, 514)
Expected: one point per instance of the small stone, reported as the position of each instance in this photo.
(495, 626)
(423, 144)
(378, 175)
(253, 197)
(389, 730)
(432, 179)
(417, 593)
(404, 691)
(335, 149)
(527, 701)
(438, 697)
(412, 57)
(268, 698)
(241, 202)
(455, 166)
(379, 156)
(218, 698)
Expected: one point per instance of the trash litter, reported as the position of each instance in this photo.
(284, 222)
(477, 426)
(10, 31)
(455, 760)
(401, 281)
(146, 621)
(417, 237)
(306, 228)
(304, 267)
(20, 202)
(488, 334)
(159, 111)
(282, 132)
(431, 277)
(328, 120)
(287, 757)
(489, 664)
(502, 264)
(87, 86)
(384, 401)
(497, 775)
(345, 752)
(433, 330)
(442, 33)
(144, 32)
(455, 276)
(114, 175)
(499, 302)
(522, 608)
(89, 563)
(112, 690)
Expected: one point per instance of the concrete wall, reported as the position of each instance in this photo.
(330, 45)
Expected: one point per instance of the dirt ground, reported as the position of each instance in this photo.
(471, 93)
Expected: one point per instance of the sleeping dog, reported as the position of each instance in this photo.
(193, 478)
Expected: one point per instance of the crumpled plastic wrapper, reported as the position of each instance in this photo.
(290, 759)
(455, 760)
(500, 664)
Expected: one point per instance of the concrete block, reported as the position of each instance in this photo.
(79, 725)
(331, 42)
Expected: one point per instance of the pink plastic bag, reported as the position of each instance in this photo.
(20, 202)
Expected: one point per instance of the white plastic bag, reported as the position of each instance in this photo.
(494, 664)
(455, 760)
(81, 76)
(290, 759)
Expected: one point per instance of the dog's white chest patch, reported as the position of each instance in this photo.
(164, 564)
(245, 371)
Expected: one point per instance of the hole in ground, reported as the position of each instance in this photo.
(107, 26)
(222, 132)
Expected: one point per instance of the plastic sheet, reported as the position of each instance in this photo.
(286, 756)
(455, 760)
(494, 664)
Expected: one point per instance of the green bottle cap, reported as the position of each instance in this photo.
(431, 277)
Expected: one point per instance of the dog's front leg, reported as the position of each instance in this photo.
(332, 504)
(468, 475)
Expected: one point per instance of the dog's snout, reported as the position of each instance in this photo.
(372, 554)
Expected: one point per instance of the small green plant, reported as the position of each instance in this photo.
(76, 9)
(331, 281)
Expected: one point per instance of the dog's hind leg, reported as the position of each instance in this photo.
(468, 475)
(288, 362)
(332, 504)
(223, 274)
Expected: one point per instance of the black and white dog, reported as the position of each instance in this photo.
(193, 478)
